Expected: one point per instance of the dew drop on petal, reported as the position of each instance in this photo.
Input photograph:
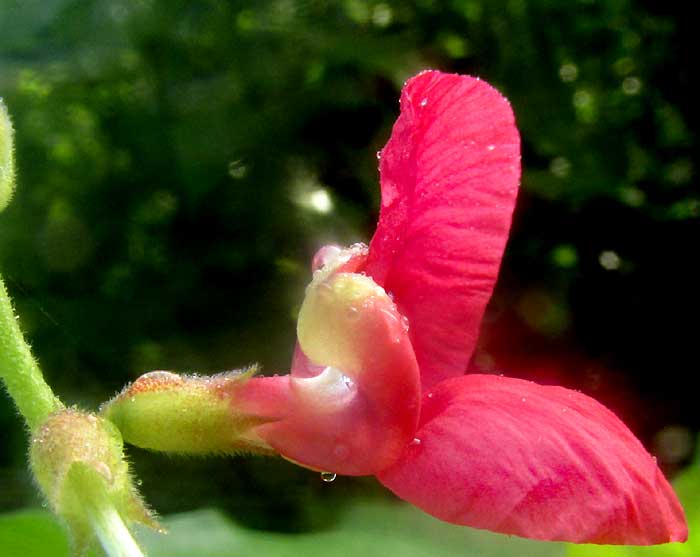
(349, 383)
(424, 102)
(415, 441)
(324, 255)
(358, 246)
(341, 451)
(328, 477)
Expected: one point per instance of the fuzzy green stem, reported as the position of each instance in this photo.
(20, 371)
(113, 534)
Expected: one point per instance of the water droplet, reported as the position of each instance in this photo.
(524, 399)
(328, 477)
(358, 246)
(430, 395)
(491, 147)
(379, 155)
(353, 313)
(424, 102)
(415, 441)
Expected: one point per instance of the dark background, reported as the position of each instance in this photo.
(170, 154)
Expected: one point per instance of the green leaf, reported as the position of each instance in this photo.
(32, 533)
(368, 528)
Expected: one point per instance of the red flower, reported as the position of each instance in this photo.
(381, 324)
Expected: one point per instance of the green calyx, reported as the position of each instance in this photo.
(7, 158)
(167, 412)
(78, 461)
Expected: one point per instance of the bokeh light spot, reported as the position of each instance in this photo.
(631, 85)
(560, 167)
(609, 260)
(564, 256)
(568, 72)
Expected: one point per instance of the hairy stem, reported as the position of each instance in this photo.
(113, 534)
(20, 371)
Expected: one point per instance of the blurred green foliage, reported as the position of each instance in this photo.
(180, 161)
(366, 527)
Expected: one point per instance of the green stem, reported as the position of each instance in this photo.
(113, 534)
(19, 369)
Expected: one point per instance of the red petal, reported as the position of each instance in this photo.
(449, 177)
(540, 462)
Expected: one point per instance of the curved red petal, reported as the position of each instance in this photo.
(449, 177)
(353, 409)
(540, 462)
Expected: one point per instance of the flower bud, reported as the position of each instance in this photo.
(78, 461)
(7, 158)
(164, 411)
